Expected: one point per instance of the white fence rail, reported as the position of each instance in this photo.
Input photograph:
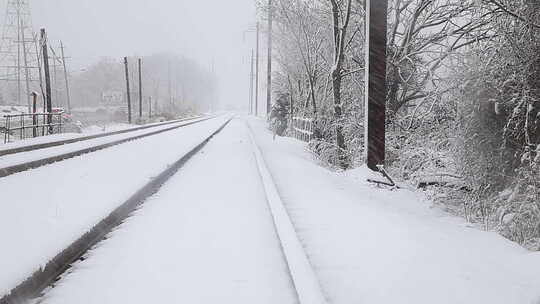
(302, 128)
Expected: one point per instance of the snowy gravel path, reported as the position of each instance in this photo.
(52, 206)
(372, 245)
(206, 237)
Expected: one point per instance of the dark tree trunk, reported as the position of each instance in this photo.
(312, 92)
(340, 33)
(338, 117)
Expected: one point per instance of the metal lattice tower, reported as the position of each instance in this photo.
(19, 55)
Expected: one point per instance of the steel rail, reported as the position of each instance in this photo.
(84, 138)
(304, 280)
(43, 277)
(6, 171)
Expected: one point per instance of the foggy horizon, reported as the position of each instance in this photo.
(91, 30)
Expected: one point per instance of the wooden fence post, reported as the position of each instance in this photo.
(34, 117)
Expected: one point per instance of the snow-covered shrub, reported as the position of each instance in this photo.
(463, 100)
(279, 117)
(499, 128)
(519, 212)
(323, 144)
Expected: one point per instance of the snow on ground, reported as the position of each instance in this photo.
(115, 126)
(88, 131)
(44, 210)
(91, 130)
(305, 281)
(372, 245)
(206, 237)
(37, 140)
(12, 110)
(110, 127)
(20, 158)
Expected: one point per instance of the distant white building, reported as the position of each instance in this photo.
(112, 97)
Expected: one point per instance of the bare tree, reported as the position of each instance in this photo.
(422, 35)
(341, 18)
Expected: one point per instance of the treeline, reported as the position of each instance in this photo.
(463, 97)
(174, 83)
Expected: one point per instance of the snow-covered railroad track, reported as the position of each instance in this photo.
(47, 274)
(305, 281)
(33, 147)
(23, 161)
(215, 233)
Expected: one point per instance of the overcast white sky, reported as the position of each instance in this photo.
(199, 29)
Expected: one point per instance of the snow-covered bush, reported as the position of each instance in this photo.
(498, 127)
(279, 116)
(519, 207)
(463, 99)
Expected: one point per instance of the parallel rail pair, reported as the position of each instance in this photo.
(34, 285)
(84, 138)
(6, 171)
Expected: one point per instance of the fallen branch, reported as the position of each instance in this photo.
(425, 184)
(385, 174)
(383, 183)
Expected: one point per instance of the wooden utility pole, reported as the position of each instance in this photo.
(251, 75)
(54, 75)
(257, 72)
(149, 106)
(269, 69)
(249, 98)
(40, 67)
(214, 100)
(46, 69)
(140, 89)
(68, 95)
(128, 96)
(34, 96)
(169, 82)
(375, 95)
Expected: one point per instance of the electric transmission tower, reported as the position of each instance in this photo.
(19, 55)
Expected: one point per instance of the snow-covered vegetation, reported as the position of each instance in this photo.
(463, 98)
